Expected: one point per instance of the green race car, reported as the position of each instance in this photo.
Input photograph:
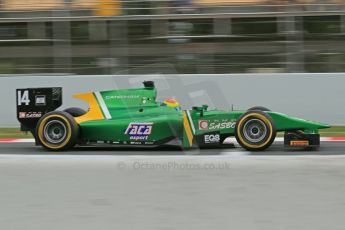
(133, 117)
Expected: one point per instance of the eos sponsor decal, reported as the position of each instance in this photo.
(139, 131)
(40, 100)
(121, 97)
(24, 115)
(212, 138)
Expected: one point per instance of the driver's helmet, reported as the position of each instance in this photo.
(172, 102)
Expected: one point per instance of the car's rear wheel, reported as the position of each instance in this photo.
(57, 131)
(255, 130)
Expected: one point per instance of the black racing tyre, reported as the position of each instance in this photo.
(75, 112)
(57, 131)
(255, 130)
(259, 108)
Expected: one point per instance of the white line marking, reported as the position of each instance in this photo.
(190, 121)
(24, 141)
(103, 106)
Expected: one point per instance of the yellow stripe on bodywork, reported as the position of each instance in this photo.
(187, 128)
(94, 112)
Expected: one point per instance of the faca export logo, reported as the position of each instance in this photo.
(139, 131)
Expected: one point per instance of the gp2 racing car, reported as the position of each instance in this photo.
(134, 117)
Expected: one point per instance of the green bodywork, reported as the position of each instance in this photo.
(133, 116)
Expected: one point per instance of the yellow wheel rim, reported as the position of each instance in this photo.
(262, 118)
(41, 132)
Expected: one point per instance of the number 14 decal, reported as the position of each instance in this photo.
(23, 97)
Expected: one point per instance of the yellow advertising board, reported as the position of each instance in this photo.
(108, 8)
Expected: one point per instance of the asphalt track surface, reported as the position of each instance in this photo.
(117, 188)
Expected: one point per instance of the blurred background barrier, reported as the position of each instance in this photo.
(195, 36)
(317, 97)
(201, 46)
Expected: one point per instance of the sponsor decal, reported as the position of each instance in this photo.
(216, 124)
(40, 100)
(299, 143)
(26, 115)
(222, 125)
(203, 124)
(135, 143)
(139, 131)
(212, 139)
(115, 97)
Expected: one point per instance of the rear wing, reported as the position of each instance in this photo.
(33, 103)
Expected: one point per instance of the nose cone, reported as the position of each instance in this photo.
(285, 122)
(319, 125)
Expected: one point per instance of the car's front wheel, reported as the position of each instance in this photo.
(57, 131)
(255, 130)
